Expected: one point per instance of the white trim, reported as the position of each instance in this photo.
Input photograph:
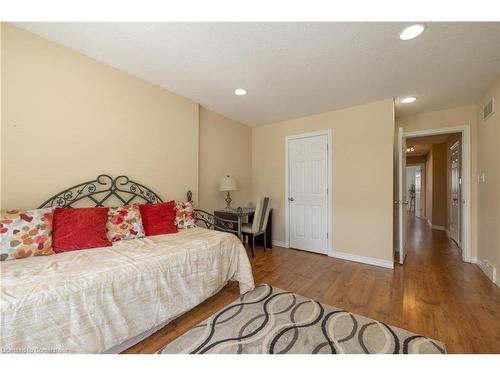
(402, 220)
(279, 243)
(439, 227)
(328, 133)
(309, 134)
(362, 259)
(466, 222)
(481, 264)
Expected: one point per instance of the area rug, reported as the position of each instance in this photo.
(269, 320)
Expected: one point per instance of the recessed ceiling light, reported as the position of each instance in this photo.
(408, 100)
(410, 149)
(240, 92)
(412, 31)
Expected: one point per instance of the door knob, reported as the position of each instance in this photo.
(291, 199)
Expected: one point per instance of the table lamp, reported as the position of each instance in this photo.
(228, 184)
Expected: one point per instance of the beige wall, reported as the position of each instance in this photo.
(225, 148)
(464, 115)
(363, 139)
(489, 190)
(66, 118)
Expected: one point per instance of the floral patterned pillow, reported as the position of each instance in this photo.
(184, 215)
(124, 223)
(26, 233)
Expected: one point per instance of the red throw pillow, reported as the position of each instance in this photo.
(79, 228)
(158, 218)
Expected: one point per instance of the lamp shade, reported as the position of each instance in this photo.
(228, 183)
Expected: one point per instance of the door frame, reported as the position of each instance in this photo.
(329, 160)
(466, 222)
(402, 222)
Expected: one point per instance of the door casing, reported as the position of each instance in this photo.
(466, 213)
(400, 227)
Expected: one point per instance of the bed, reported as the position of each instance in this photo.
(104, 300)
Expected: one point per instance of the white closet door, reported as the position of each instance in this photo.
(308, 193)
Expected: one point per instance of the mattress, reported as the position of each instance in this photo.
(90, 301)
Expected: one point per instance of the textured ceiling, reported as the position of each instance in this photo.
(294, 69)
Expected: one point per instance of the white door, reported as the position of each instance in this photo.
(454, 204)
(308, 193)
(400, 201)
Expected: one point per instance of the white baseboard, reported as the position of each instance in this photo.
(348, 256)
(279, 243)
(488, 269)
(438, 227)
(362, 259)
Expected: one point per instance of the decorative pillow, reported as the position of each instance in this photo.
(79, 228)
(158, 218)
(184, 215)
(26, 233)
(124, 223)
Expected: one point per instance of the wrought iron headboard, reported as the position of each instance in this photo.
(98, 191)
(104, 187)
(213, 222)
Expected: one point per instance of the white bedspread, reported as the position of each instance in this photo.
(89, 301)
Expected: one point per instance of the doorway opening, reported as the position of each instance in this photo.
(415, 187)
(434, 187)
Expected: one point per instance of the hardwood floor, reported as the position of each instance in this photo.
(434, 294)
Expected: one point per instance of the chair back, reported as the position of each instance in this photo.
(261, 215)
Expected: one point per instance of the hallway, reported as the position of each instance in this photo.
(442, 294)
(434, 294)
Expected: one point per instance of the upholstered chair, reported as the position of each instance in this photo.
(259, 224)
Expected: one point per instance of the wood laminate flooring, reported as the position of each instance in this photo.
(434, 294)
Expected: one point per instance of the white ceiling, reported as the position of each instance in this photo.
(295, 69)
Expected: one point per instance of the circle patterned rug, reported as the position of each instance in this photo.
(268, 320)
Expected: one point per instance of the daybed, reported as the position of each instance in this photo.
(107, 299)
